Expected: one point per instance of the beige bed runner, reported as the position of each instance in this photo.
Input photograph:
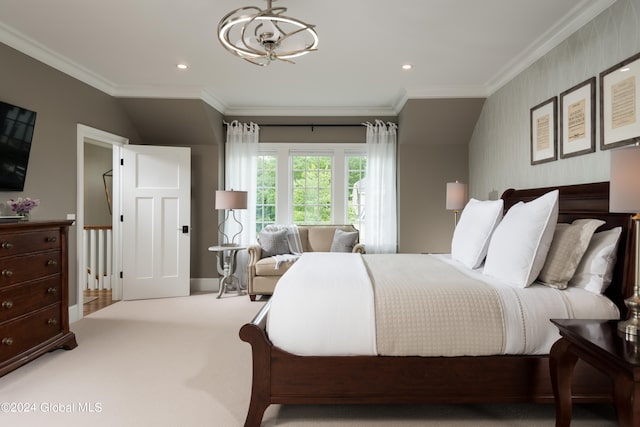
(425, 307)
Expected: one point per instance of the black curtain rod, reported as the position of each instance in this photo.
(311, 125)
(319, 125)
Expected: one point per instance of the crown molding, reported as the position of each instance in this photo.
(215, 102)
(170, 92)
(309, 111)
(581, 14)
(36, 50)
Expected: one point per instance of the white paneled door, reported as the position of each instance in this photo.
(156, 203)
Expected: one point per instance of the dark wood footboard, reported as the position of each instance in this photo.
(283, 378)
(255, 334)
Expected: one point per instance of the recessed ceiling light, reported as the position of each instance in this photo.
(624, 69)
(407, 66)
(182, 66)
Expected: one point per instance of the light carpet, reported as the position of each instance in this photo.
(179, 362)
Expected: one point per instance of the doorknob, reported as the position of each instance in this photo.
(185, 229)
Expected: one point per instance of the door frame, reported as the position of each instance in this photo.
(87, 134)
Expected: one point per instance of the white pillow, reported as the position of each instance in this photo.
(473, 233)
(595, 270)
(520, 243)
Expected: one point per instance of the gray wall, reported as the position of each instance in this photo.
(61, 103)
(433, 137)
(499, 155)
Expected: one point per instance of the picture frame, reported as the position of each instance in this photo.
(544, 138)
(620, 104)
(577, 127)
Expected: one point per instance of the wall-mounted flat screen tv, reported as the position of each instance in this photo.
(16, 131)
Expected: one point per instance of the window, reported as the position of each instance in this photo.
(266, 191)
(311, 189)
(310, 184)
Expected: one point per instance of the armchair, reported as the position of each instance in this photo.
(262, 273)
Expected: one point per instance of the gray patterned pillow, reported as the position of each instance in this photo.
(273, 242)
(344, 241)
(570, 241)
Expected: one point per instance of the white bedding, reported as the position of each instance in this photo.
(324, 305)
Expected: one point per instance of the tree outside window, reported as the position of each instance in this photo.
(311, 189)
(310, 184)
(266, 191)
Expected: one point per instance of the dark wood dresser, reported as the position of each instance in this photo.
(34, 291)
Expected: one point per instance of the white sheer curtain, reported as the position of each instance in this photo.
(240, 171)
(380, 204)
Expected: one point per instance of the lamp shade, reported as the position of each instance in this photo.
(624, 185)
(456, 195)
(230, 199)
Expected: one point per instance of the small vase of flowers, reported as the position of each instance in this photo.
(22, 206)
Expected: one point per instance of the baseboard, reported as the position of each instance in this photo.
(204, 285)
(73, 313)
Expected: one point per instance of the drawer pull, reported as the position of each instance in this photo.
(52, 290)
(7, 273)
(51, 239)
(7, 304)
(52, 321)
(6, 245)
(52, 262)
(7, 341)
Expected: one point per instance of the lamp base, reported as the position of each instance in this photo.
(631, 326)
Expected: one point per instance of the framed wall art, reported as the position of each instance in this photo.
(578, 119)
(620, 103)
(544, 138)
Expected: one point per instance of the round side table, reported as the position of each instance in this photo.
(226, 265)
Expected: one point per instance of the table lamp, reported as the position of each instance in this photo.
(230, 200)
(456, 198)
(624, 196)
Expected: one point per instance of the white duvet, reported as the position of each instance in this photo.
(324, 305)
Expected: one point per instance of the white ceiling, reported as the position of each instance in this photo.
(459, 48)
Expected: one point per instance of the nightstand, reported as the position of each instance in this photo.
(597, 343)
(227, 267)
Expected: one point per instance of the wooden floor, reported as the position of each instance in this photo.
(96, 299)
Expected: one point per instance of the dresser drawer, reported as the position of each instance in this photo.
(26, 242)
(21, 299)
(26, 332)
(28, 267)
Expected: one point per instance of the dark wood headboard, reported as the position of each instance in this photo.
(591, 201)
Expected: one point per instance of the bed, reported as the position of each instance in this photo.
(282, 377)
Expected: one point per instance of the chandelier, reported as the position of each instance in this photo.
(261, 36)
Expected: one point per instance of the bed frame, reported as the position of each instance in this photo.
(283, 378)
